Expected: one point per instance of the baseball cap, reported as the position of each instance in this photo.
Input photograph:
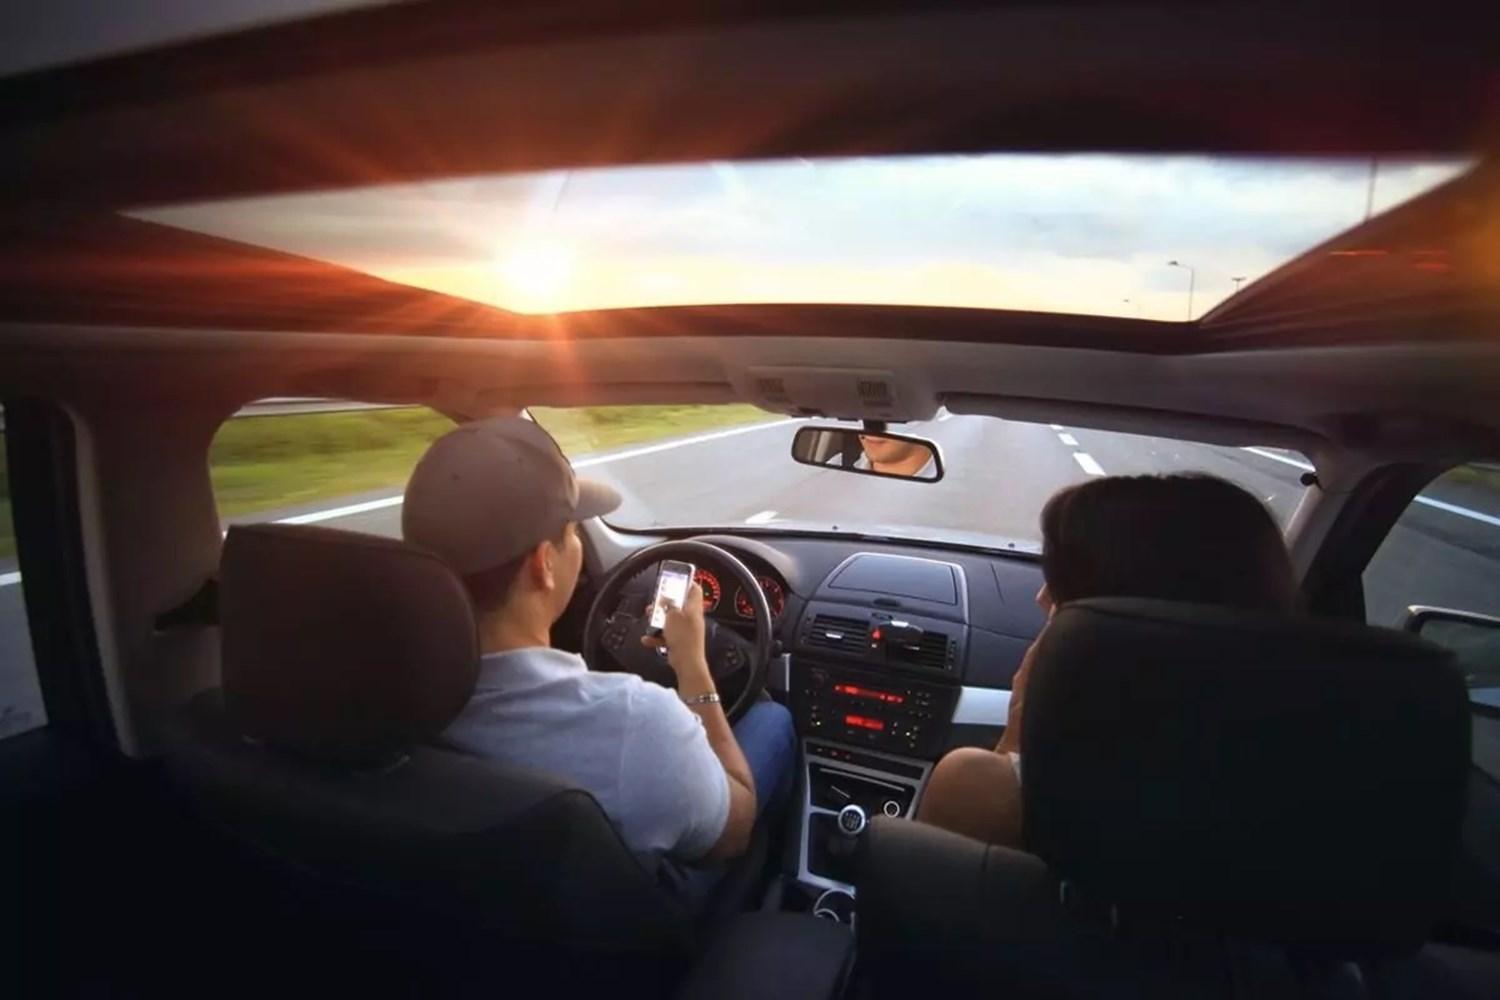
(488, 491)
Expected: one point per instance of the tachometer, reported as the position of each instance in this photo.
(775, 597)
(711, 589)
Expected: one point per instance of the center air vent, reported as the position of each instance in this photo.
(836, 632)
(935, 652)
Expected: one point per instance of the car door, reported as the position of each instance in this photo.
(1444, 552)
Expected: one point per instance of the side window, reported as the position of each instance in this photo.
(21, 707)
(1443, 552)
(333, 462)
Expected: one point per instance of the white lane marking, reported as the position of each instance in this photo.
(1069, 440)
(1086, 460)
(1451, 508)
(763, 517)
(979, 706)
(651, 449)
(349, 511)
(1284, 460)
(333, 513)
(1056, 427)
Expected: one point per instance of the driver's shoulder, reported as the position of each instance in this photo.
(631, 693)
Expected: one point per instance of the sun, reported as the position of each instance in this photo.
(536, 273)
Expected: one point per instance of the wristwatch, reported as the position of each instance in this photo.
(712, 698)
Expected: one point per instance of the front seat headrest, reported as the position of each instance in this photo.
(340, 646)
(1263, 777)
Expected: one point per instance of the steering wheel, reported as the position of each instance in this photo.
(617, 631)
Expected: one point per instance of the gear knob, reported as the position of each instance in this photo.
(852, 821)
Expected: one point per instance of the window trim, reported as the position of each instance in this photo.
(42, 460)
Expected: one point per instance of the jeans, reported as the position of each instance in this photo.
(769, 743)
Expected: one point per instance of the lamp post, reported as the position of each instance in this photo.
(1238, 282)
(1192, 280)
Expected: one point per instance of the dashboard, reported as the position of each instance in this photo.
(889, 655)
(984, 602)
(717, 601)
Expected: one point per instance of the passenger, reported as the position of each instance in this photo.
(1190, 538)
(498, 501)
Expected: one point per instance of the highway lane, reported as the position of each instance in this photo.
(999, 474)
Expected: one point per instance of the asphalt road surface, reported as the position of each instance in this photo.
(1446, 551)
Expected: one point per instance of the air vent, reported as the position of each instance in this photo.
(935, 652)
(846, 635)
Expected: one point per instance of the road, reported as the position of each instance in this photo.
(1445, 552)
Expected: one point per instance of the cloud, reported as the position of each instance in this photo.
(1078, 233)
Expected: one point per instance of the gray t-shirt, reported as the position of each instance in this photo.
(928, 471)
(632, 744)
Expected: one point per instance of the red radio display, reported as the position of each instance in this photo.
(862, 722)
(855, 691)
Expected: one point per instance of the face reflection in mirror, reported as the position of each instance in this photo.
(893, 456)
(851, 450)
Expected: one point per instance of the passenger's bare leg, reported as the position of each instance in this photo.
(976, 793)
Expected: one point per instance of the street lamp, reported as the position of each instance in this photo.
(1237, 282)
(1192, 280)
(1137, 307)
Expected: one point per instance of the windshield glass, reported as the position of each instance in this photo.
(1155, 237)
(731, 467)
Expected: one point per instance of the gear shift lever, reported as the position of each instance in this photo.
(852, 821)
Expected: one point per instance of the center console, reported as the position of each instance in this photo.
(873, 679)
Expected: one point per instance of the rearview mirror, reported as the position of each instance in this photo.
(847, 449)
(1474, 640)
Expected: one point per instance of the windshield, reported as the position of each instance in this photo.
(1155, 237)
(730, 467)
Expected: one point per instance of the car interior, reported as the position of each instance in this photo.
(232, 778)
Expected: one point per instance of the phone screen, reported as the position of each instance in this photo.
(671, 589)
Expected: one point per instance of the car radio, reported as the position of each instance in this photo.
(894, 714)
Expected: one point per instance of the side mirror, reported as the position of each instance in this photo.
(1474, 640)
(847, 449)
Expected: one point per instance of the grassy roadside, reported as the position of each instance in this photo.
(264, 463)
(601, 428)
(261, 463)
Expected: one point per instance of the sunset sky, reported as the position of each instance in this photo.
(1079, 234)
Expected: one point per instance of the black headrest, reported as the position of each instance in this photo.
(1275, 779)
(341, 646)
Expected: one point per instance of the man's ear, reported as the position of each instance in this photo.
(546, 555)
(540, 563)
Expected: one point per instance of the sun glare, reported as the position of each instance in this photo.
(536, 272)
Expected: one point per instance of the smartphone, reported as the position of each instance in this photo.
(672, 584)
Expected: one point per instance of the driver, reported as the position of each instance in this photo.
(895, 457)
(497, 501)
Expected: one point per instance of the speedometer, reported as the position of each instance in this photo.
(775, 597)
(711, 589)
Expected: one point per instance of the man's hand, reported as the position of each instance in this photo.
(683, 635)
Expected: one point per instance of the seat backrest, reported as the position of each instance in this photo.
(1288, 781)
(343, 655)
(940, 915)
(1219, 804)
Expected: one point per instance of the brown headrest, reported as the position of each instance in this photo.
(341, 646)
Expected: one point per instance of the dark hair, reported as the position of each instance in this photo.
(489, 588)
(1178, 537)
